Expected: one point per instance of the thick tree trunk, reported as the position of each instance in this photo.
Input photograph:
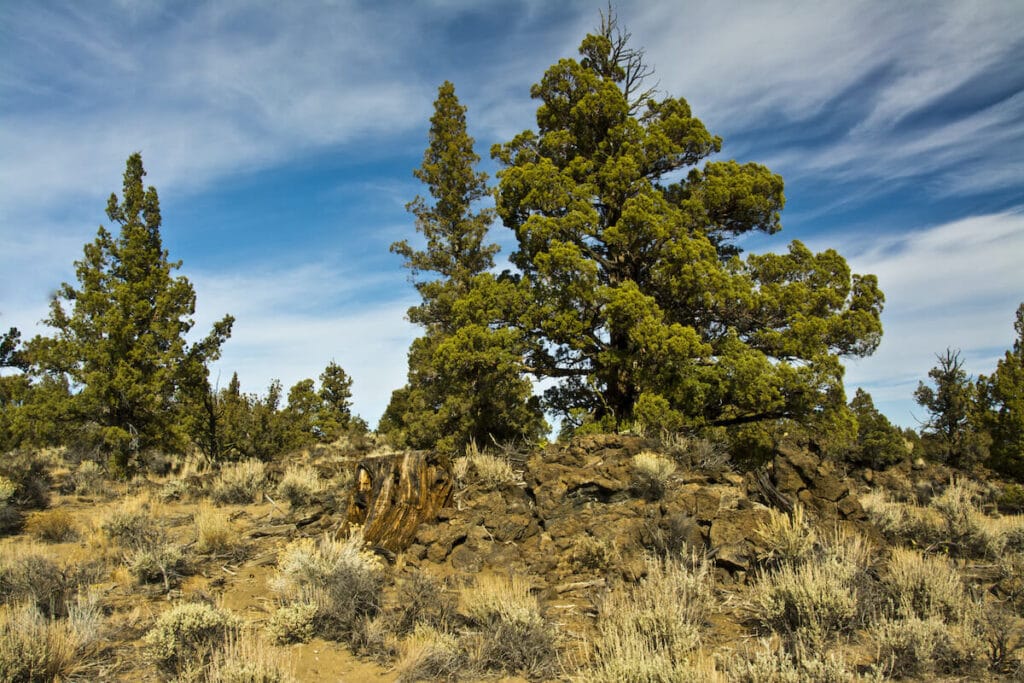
(394, 494)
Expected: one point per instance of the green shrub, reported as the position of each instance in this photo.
(293, 623)
(186, 636)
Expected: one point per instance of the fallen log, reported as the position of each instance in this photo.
(394, 494)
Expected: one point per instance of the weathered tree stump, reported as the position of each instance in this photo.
(394, 494)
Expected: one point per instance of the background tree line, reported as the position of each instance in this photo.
(629, 299)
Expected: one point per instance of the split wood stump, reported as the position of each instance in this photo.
(394, 494)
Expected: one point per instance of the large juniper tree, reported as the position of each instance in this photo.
(640, 305)
(465, 373)
(121, 345)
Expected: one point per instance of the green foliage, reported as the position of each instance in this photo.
(952, 432)
(121, 347)
(186, 635)
(1002, 398)
(231, 425)
(638, 302)
(879, 443)
(466, 380)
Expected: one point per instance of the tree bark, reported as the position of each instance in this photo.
(394, 494)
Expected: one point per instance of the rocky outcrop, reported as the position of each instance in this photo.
(576, 512)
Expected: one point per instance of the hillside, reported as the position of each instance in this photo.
(609, 558)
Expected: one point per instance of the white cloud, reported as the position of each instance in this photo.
(955, 285)
(289, 326)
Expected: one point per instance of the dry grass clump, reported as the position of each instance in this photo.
(788, 537)
(509, 632)
(301, 485)
(429, 654)
(239, 483)
(185, 637)
(246, 658)
(215, 532)
(695, 452)
(342, 581)
(52, 526)
(650, 632)
(651, 472)
(491, 471)
(37, 649)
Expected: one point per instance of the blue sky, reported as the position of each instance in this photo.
(282, 136)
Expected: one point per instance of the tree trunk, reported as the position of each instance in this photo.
(394, 494)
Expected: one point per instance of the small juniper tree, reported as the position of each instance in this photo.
(951, 432)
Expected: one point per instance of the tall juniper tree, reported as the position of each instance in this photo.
(465, 373)
(641, 308)
(121, 345)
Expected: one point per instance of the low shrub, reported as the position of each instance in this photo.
(509, 632)
(806, 604)
(421, 600)
(161, 562)
(293, 623)
(301, 485)
(186, 636)
(29, 471)
(343, 582)
(37, 649)
(88, 479)
(649, 632)
(923, 586)
(491, 471)
(916, 647)
(239, 483)
(31, 575)
(590, 553)
(773, 665)
(132, 524)
(52, 526)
